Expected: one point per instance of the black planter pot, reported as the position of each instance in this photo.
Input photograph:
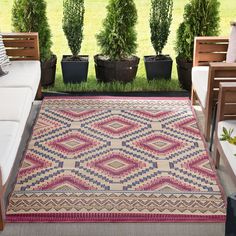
(48, 71)
(158, 67)
(74, 71)
(230, 229)
(109, 71)
(184, 73)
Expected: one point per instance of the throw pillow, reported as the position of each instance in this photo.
(2, 73)
(4, 60)
(231, 54)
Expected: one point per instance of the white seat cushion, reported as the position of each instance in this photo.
(23, 74)
(15, 104)
(229, 149)
(9, 142)
(200, 82)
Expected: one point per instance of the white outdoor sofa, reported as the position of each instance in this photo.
(18, 90)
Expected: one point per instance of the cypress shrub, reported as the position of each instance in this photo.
(30, 16)
(73, 23)
(160, 22)
(201, 18)
(118, 37)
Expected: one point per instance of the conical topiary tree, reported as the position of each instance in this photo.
(118, 36)
(73, 23)
(160, 22)
(201, 18)
(30, 16)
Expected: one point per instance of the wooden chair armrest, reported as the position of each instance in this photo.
(22, 46)
(222, 66)
(209, 49)
(222, 70)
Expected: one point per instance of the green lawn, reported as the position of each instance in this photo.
(95, 13)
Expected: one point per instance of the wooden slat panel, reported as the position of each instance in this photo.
(213, 48)
(231, 97)
(225, 73)
(213, 39)
(217, 82)
(22, 45)
(22, 58)
(206, 63)
(233, 117)
(230, 109)
(211, 57)
(32, 35)
(19, 43)
(209, 45)
(20, 52)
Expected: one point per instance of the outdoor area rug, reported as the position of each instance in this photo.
(114, 159)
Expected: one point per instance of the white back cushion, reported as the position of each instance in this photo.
(231, 54)
(4, 60)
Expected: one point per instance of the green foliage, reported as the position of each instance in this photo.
(30, 16)
(118, 37)
(160, 22)
(201, 18)
(73, 24)
(227, 136)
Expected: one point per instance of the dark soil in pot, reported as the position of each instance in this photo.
(109, 71)
(158, 67)
(184, 69)
(48, 71)
(75, 69)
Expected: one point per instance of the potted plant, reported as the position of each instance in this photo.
(117, 41)
(30, 16)
(159, 66)
(201, 18)
(75, 66)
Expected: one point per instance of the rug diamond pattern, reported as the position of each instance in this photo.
(120, 159)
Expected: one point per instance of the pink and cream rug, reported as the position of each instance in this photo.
(106, 159)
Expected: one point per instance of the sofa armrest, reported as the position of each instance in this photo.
(209, 49)
(22, 46)
(223, 66)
